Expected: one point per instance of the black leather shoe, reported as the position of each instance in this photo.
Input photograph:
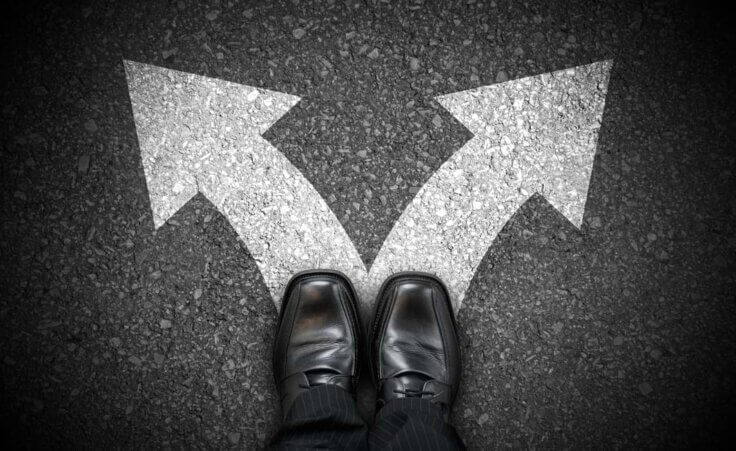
(318, 337)
(414, 345)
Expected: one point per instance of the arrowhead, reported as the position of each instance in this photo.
(187, 124)
(542, 131)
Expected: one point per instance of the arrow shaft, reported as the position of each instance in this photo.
(288, 227)
(454, 218)
(285, 223)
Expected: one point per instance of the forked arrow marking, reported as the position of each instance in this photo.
(531, 135)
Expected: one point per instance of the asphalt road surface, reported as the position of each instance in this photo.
(607, 322)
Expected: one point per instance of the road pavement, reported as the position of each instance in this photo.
(609, 325)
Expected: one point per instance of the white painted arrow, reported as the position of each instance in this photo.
(198, 134)
(531, 135)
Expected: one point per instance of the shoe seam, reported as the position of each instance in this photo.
(350, 316)
(291, 326)
(388, 307)
(442, 334)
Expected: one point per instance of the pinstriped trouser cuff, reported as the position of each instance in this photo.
(430, 412)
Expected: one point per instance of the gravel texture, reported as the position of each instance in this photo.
(116, 333)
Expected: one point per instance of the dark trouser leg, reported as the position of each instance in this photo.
(413, 424)
(323, 417)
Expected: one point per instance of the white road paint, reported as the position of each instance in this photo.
(524, 143)
(199, 134)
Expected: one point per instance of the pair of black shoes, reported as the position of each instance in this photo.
(414, 349)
